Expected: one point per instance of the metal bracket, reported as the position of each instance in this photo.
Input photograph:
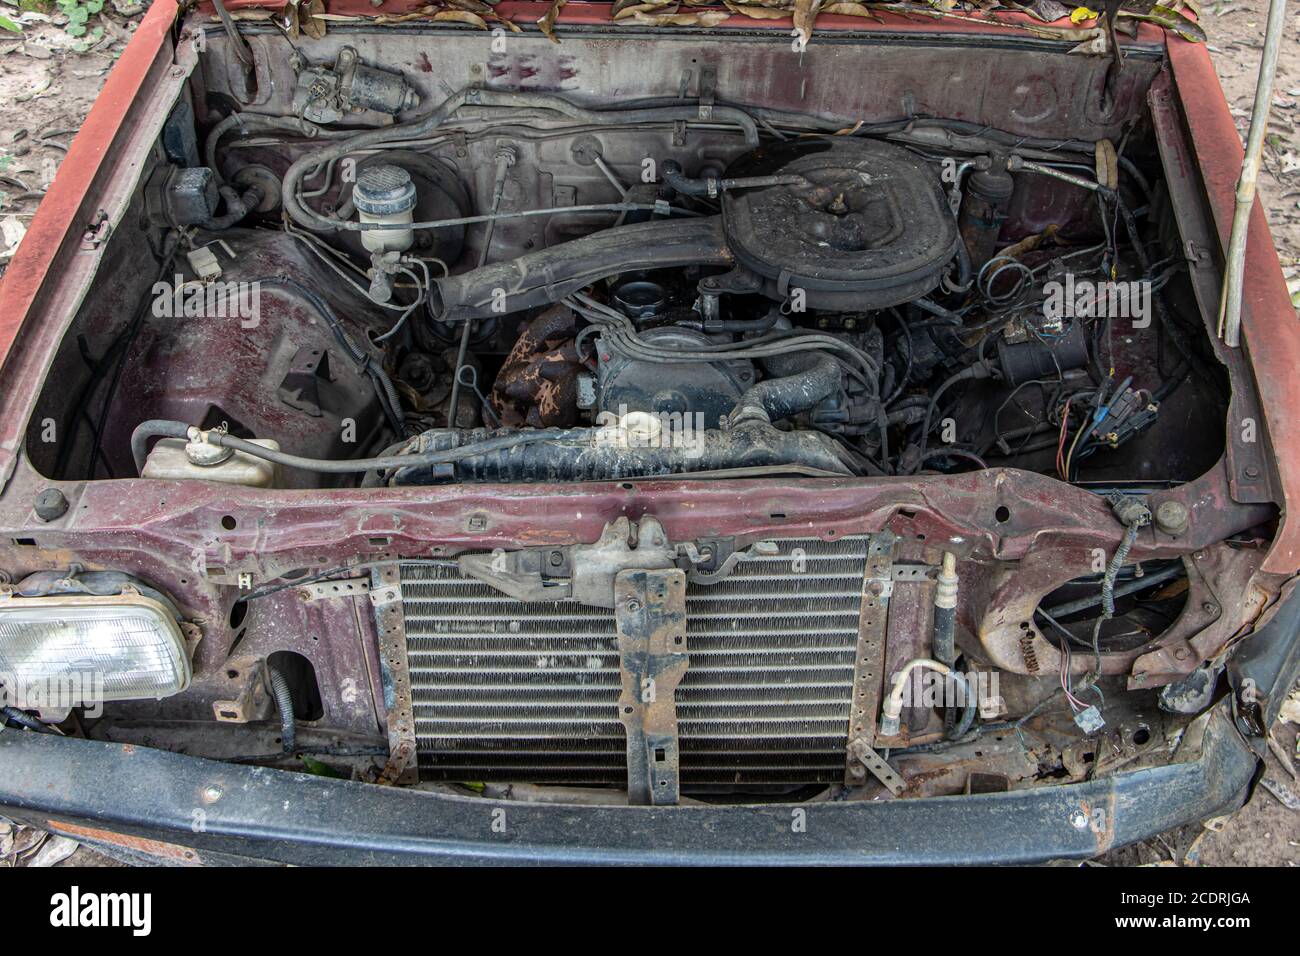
(708, 92)
(869, 663)
(585, 572)
(861, 751)
(322, 590)
(650, 615)
(395, 675)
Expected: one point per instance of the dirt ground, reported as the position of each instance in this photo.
(49, 79)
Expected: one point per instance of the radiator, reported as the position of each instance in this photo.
(505, 690)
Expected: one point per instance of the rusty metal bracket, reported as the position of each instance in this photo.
(390, 623)
(650, 615)
(869, 663)
(861, 751)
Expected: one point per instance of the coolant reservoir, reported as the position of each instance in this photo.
(385, 194)
(168, 459)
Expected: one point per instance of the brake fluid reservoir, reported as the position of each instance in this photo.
(384, 194)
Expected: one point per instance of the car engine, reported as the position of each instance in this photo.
(518, 289)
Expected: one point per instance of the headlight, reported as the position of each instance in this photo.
(64, 651)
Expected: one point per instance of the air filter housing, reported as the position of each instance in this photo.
(870, 228)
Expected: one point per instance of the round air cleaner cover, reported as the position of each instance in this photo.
(871, 228)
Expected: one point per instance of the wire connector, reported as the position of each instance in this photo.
(1131, 512)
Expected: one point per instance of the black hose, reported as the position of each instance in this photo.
(672, 174)
(238, 205)
(284, 703)
(14, 715)
(153, 428)
(548, 275)
(146, 430)
(967, 711)
(802, 389)
(949, 317)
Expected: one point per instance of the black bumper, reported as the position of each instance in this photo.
(227, 813)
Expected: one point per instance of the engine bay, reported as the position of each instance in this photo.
(516, 288)
(471, 351)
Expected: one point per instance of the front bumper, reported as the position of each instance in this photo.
(184, 809)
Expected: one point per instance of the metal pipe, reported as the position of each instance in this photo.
(945, 625)
(1235, 266)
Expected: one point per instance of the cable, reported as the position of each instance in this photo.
(154, 428)
(284, 704)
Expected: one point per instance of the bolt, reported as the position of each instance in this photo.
(1078, 819)
(211, 793)
(633, 604)
(1171, 517)
(51, 505)
(1252, 471)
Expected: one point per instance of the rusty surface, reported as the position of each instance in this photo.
(869, 661)
(537, 386)
(386, 596)
(650, 616)
(157, 849)
(1225, 597)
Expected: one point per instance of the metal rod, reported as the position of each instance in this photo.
(1235, 266)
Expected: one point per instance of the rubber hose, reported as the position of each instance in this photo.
(153, 428)
(780, 398)
(16, 716)
(284, 704)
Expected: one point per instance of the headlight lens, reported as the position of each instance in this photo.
(67, 651)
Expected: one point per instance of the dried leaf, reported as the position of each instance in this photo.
(461, 16)
(851, 10)
(1048, 11)
(622, 8)
(40, 89)
(309, 19)
(805, 15)
(646, 6)
(703, 19)
(1173, 21)
(508, 24)
(756, 12)
(1096, 45)
(547, 23)
(1082, 15)
(473, 6)
(55, 850)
